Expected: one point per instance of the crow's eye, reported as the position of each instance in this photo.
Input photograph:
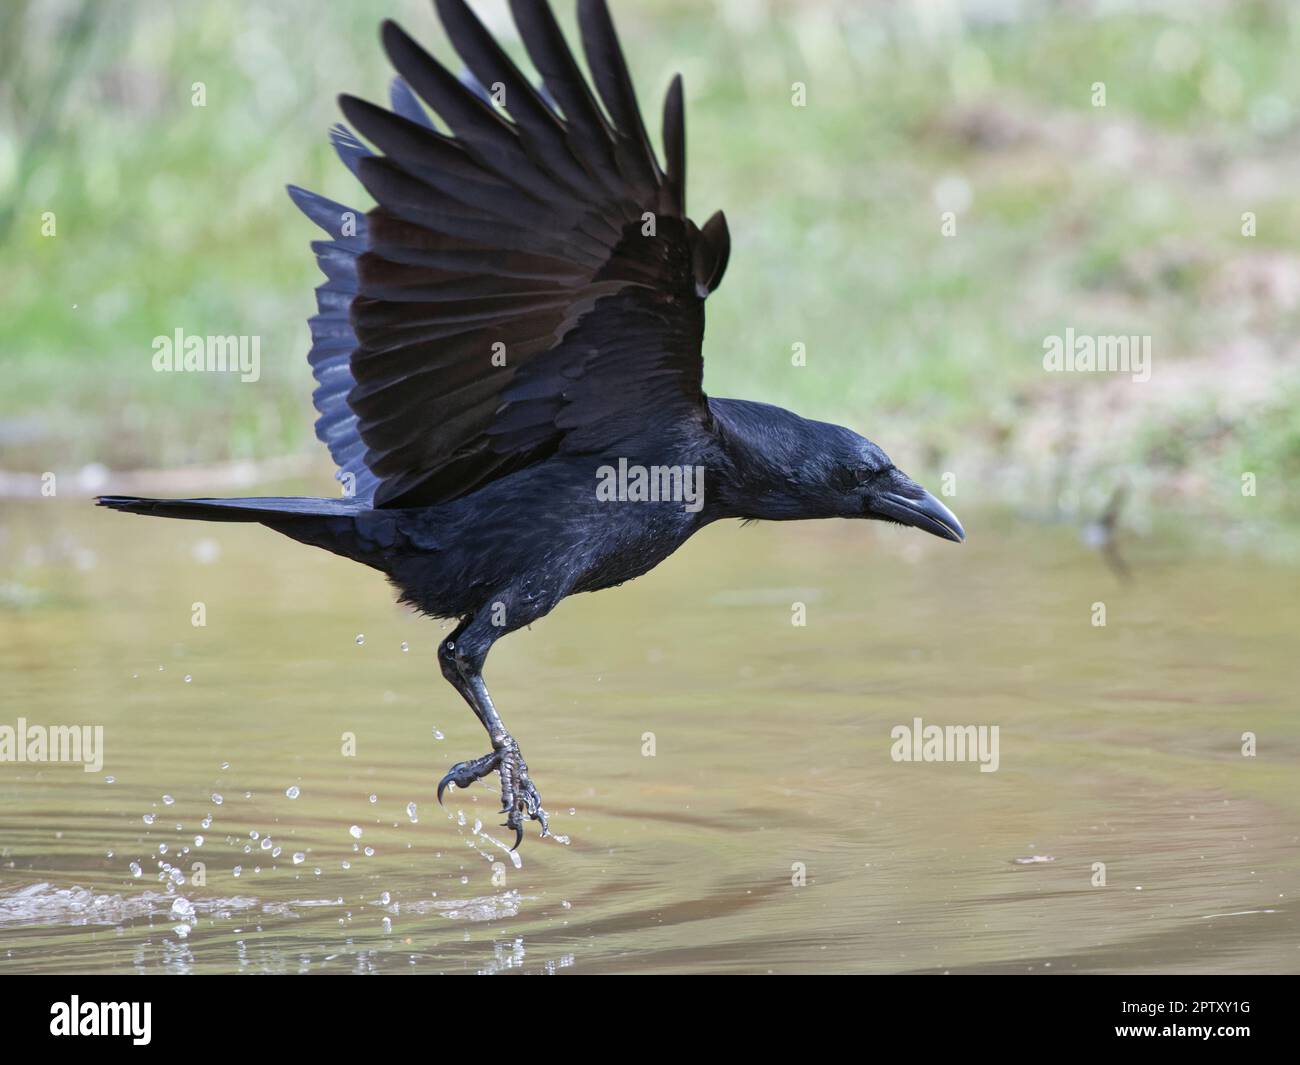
(862, 475)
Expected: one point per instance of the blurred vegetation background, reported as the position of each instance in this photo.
(1120, 219)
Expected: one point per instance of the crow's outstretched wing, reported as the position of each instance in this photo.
(529, 282)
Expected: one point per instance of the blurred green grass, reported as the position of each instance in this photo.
(1115, 219)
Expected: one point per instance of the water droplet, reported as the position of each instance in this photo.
(225, 765)
(162, 848)
(405, 646)
(217, 800)
(182, 909)
(410, 812)
(374, 798)
(110, 780)
(346, 865)
(370, 852)
(438, 735)
(361, 638)
(237, 870)
(355, 831)
(299, 858)
(148, 819)
(292, 791)
(135, 869)
(188, 678)
(206, 822)
(198, 841)
(388, 925)
(168, 800)
(385, 898)
(206, 551)
(266, 844)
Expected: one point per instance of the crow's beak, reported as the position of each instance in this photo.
(923, 511)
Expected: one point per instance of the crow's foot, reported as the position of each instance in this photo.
(519, 799)
(463, 774)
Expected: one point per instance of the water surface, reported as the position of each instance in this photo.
(770, 831)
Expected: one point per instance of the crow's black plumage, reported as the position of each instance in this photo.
(520, 316)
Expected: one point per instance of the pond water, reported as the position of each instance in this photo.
(722, 775)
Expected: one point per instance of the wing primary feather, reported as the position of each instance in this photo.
(488, 137)
(613, 82)
(675, 144)
(405, 103)
(441, 163)
(349, 149)
(536, 122)
(468, 78)
(590, 136)
(327, 214)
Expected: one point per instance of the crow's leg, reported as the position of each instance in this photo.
(461, 656)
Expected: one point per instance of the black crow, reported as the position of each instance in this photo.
(507, 351)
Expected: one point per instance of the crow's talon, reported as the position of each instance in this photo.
(519, 799)
(463, 774)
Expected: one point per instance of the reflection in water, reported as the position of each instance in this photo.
(723, 776)
(1103, 534)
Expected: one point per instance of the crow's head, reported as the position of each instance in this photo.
(788, 467)
(869, 485)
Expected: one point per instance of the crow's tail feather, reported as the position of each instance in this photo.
(264, 509)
